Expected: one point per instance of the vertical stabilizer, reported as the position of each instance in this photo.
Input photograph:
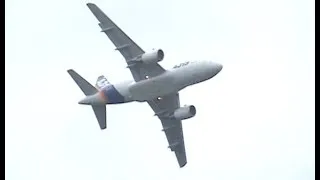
(102, 82)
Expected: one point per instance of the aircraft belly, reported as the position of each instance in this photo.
(123, 89)
(153, 88)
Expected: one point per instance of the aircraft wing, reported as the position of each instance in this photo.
(172, 128)
(127, 47)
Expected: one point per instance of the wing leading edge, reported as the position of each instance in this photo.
(172, 128)
(127, 47)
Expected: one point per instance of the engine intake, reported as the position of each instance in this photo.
(185, 112)
(152, 57)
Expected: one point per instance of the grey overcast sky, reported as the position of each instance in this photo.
(255, 119)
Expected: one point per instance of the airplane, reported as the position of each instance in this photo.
(151, 83)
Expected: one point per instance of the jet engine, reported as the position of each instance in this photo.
(152, 57)
(185, 112)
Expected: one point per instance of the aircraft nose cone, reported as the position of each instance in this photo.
(215, 67)
(219, 67)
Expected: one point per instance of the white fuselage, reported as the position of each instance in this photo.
(171, 81)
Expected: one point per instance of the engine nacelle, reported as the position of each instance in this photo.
(152, 57)
(185, 112)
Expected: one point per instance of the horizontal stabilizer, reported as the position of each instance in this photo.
(89, 90)
(100, 112)
(84, 85)
(167, 128)
(173, 145)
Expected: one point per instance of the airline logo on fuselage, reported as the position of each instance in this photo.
(181, 65)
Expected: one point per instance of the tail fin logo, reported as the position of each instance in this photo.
(102, 82)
